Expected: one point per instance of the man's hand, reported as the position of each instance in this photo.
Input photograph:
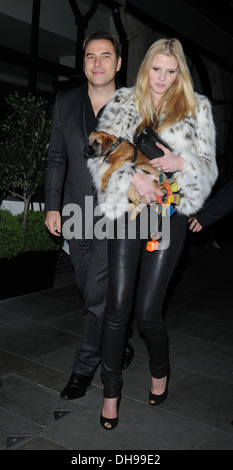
(194, 224)
(144, 185)
(53, 222)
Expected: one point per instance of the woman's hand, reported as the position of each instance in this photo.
(169, 162)
(144, 185)
(194, 224)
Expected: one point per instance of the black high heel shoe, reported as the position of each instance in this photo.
(155, 400)
(110, 423)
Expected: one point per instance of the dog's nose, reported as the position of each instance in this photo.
(88, 151)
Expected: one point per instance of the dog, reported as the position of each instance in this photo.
(111, 152)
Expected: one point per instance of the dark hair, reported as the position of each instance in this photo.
(102, 35)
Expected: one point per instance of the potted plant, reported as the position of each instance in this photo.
(28, 256)
(11, 235)
(23, 162)
(24, 145)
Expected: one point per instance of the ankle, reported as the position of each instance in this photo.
(109, 408)
(158, 385)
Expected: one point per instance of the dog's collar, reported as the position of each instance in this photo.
(135, 153)
(113, 147)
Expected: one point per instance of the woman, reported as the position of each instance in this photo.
(162, 98)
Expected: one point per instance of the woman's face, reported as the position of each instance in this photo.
(163, 72)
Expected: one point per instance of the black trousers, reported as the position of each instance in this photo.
(130, 265)
(89, 259)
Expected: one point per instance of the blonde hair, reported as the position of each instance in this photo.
(179, 99)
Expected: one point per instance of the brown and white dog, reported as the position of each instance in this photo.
(109, 153)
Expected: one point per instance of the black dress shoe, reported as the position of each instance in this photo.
(76, 387)
(128, 355)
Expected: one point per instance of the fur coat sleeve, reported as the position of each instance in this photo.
(191, 138)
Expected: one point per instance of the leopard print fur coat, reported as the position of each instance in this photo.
(193, 139)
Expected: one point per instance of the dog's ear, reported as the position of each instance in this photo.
(91, 137)
(107, 142)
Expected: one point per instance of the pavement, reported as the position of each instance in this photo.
(39, 333)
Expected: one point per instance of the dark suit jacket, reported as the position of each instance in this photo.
(217, 207)
(68, 179)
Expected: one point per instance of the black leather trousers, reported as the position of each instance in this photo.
(140, 278)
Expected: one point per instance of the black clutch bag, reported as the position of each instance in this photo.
(146, 143)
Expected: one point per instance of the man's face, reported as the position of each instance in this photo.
(100, 62)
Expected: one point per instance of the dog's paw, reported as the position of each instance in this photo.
(130, 207)
(137, 211)
(134, 215)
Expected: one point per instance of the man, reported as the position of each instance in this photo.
(214, 209)
(68, 181)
